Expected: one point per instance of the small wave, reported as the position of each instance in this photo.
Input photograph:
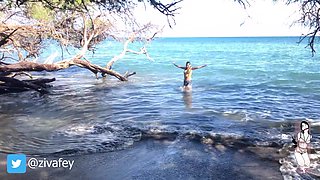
(84, 139)
(245, 116)
(97, 138)
(79, 130)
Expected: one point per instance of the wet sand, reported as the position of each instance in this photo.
(165, 159)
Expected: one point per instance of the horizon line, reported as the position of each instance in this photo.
(232, 36)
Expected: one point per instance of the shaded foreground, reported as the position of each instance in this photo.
(165, 159)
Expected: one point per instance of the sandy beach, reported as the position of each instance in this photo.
(164, 159)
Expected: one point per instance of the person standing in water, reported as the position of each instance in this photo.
(187, 74)
(302, 140)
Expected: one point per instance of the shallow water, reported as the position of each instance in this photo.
(257, 89)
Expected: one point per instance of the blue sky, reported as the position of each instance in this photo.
(226, 18)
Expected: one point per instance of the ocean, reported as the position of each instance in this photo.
(256, 89)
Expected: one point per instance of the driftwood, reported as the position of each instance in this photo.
(9, 85)
(32, 66)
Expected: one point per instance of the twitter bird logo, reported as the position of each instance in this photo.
(16, 163)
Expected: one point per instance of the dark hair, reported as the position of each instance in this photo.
(187, 63)
(304, 122)
(294, 141)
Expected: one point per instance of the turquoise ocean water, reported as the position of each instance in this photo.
(256, 88)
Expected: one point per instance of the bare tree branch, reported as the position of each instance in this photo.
(21, 73)
(9, 83)
(143, 50)
(310, 18)
(5, 38)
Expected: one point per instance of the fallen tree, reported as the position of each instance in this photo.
(9, 85)
(24, 64)
(27, 25)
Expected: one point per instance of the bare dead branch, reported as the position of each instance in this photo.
(244, 3)
(32, 66)
(21, 73)
(125, 50)
(5, 37)
(310, 18)
(8, 82)
(129, 74)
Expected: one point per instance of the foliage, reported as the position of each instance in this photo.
(39, 12)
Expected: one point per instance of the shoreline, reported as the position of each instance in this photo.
(164, 159)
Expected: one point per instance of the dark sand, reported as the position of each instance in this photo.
(165, 159)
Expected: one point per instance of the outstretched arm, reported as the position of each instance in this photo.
(178, 66)
(198, 67)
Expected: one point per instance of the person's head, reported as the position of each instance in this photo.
(304, 125)
(188, 64)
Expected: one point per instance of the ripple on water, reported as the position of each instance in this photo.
(246, 90)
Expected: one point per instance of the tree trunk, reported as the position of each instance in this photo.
(9, 85)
